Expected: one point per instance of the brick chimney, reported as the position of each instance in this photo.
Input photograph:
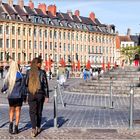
(92, 16)
(21, 3)
(31, 4)
(69, 12)
(42, 7)
(10, 2)
(128, 32)
(77, 13)
(52, 9)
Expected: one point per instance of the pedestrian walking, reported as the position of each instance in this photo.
(38, 92)
(14, 85)
(61, 76)
(1, 71)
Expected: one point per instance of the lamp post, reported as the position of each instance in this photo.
(7, 56)
(24, 55)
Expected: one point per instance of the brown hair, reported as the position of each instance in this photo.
(34, 83)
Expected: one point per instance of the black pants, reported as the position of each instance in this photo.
(35, 109)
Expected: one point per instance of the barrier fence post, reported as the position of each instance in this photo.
(131, 107)
(111, 92)
(60, 93)
(55, 107)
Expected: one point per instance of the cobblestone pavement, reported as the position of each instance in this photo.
(85, 116)
(75, 134)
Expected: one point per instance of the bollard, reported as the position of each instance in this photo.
(111, 91)
(55, 107)
(131, 107)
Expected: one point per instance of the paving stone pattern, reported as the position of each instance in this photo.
(86, 116)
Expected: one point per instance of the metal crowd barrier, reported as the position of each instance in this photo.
(57, 90)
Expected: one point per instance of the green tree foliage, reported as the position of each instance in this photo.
(129, 52)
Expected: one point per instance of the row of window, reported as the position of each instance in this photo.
(127, 45)
(60, 46)
(100, 59)
(22, 57)
(57, 35)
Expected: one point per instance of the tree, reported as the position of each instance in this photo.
(129, 52)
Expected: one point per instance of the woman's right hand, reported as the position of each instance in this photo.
(46, 100)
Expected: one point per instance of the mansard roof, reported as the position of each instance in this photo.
(9, 9)
(40, 13)
(30, 11)
(1, 11)
(19, 10)
(60, 19)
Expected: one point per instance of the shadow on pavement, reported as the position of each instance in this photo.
(4, 124)
(50, 123)
(26, 127)
(46, 124)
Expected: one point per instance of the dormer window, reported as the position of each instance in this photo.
(52, 23)
(48, 20)
(69, 25)
(61, 24)
(76, 26)
(7, 17)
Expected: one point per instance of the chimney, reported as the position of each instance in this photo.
(21, 3)
(31, 4)
(128, 32)
(92, 16)
(77, 13)
(69, 12)
(52, 9)
(42, 7)
(10, 2)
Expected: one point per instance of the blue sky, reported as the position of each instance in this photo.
(122, 13)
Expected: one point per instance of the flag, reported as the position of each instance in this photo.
(78, 65)
(108, 65)
(73, 66)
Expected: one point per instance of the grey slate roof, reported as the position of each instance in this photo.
(66, 19)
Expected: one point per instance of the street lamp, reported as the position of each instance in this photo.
(24, 55)
(7, 56)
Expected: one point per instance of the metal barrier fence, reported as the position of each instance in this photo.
(58, 94)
